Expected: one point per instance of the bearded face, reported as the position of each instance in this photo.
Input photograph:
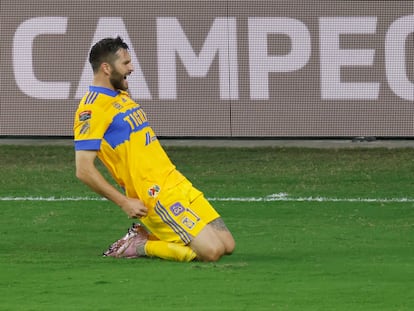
(118, 80)
(120, 69)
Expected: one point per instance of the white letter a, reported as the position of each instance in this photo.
(113, 27)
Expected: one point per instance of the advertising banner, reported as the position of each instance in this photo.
(217, 68)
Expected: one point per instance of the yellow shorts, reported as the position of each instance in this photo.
(179, 214)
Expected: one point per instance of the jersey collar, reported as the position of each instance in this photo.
(103, 90)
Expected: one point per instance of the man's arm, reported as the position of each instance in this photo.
(87, 172)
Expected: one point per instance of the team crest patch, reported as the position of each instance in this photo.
(154, 191)
(117, 106)
(85, 115)
(177, 208)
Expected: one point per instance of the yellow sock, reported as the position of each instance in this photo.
(169, 251)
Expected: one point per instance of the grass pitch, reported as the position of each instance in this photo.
(352, 253)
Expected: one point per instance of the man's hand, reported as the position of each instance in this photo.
(134, 208)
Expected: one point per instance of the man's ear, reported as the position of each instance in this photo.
(106, 68)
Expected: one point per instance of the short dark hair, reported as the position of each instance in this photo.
(104, 51)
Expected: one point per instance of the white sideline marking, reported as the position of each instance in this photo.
(270, 198)
(52, 199)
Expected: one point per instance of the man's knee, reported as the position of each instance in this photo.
(230, 245)
(211, 253)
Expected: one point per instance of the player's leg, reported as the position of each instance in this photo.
(139, 243)
(224, 235)
(168, 251)
(174, 226)
(126, 247)
(183, 217)
(154, 247)
(213, 242)
(215, 239)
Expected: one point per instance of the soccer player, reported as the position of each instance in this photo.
(180, 224)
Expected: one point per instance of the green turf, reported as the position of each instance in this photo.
(290, 255)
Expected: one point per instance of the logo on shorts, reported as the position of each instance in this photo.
(177, 208)
(154, 191)
(188, 222)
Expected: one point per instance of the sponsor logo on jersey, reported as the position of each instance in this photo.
(85, 115)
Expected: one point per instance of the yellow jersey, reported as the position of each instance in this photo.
(115, 126)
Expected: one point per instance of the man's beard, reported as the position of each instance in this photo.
(117, 81)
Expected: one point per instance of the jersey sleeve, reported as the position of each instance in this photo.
(89, 127)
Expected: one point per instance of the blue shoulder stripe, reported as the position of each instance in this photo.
(89, 144)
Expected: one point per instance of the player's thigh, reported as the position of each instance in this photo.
(207, 245)
(174, 219)
(216, 234)
(224, 234)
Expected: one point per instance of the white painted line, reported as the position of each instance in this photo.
(270, 198)
(52, 199)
